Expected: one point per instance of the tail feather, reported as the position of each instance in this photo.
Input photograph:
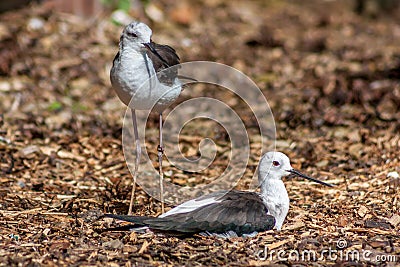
(163, 224)
(137, 220)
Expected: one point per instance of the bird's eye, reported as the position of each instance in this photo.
(132, 34)
(276, 163)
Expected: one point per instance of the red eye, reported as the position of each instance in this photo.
(276, 163)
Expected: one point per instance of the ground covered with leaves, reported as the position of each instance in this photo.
(330, 76)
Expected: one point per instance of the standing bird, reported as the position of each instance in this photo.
(135, 80)
(230, 213)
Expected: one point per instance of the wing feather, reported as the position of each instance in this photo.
(166, 59)
(238, 211)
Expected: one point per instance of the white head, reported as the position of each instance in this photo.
(136, 33)
(274, 165)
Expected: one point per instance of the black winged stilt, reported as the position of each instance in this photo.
(133, 76)
(231, 213)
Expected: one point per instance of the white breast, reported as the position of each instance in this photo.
(276, 199)
(137, 85)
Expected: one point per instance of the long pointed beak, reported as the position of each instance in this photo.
(151, 48)
(296, 172)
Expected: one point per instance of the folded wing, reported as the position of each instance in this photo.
(241, 212)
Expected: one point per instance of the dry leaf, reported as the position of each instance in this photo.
(362, 211)
(395, 220)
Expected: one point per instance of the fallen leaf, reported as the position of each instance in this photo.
(343, 221)
(394, 220)
(362, 211)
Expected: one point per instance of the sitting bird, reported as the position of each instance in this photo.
(230, 213)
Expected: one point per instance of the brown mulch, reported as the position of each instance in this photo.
(330, 76)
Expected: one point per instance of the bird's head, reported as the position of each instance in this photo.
(274, 165)
(136, 33)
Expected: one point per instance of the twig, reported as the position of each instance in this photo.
(16, 213)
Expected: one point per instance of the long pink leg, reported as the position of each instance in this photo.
(160, 150)
(138, 154)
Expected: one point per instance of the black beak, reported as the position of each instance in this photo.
(296, 172)
(151, 48)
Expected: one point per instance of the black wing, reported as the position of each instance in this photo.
(241, 212)
(116, 58)
(163, 57)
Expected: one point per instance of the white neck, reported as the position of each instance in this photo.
(136, 59)
(275, 197)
